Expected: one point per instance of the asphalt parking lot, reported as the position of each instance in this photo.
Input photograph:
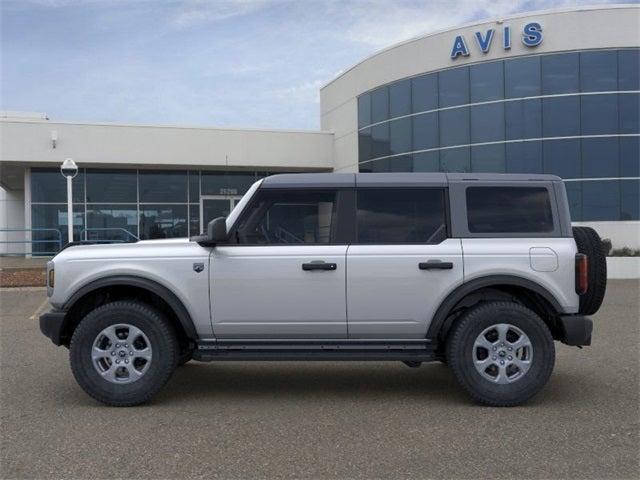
(322, 420)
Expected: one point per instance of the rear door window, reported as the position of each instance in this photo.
(509, 210)
(393, 215)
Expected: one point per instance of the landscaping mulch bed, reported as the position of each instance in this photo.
(23, 277)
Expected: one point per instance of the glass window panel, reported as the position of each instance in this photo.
(487, 81)
(401, 216)
(454, 127)
(574, 195)
(380, 140)
(562, 158)
(290, 217)
(560, 73)
(53, 217)
(194, 219)
(629, 200)
(561, 116)
(376, 166)
(226, 183)
(629, 69)
(379, 104)
(453, 86)
(111, 222)
(629, 113)
(630, 156)
(599, 114)
(112, 186)
(49, 186)
(522, 77)
(455, 160)
(401, 163)
(194, 186)
(509, 209)
(599, 71)
(600, 157)
(488, 158)
(163, 186)
(163, 221)
(523, 157)
(523, 119)
(400, 135)
(364, 110)
(424, 93)
(487, 123)
(365, 147)
(400, 98)
(425, 131)
(600, 200)
(426, 162)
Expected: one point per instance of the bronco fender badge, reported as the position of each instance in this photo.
(198, 267)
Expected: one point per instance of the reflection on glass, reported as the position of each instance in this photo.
(53, 218)
(163, 221)
(112, 222)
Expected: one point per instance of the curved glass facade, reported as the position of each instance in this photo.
(575, 115)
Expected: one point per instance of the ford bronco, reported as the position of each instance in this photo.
(480, 271)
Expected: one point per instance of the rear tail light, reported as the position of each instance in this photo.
(582, 269)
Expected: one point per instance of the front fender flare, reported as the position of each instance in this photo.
(134, 281)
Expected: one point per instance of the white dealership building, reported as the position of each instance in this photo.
(544, 92)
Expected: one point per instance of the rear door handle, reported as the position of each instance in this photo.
(319, 265)
(435, 265)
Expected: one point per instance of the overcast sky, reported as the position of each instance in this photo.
(244, 63)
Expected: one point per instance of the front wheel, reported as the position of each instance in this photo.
(123, 353)
(502, 353)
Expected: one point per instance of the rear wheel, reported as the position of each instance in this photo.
(501, 353)
(588, 242)
(123, 353)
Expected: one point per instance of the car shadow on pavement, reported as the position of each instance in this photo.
(320, 379)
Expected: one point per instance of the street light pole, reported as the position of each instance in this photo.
(69, 170)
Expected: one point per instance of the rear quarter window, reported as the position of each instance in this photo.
(509, 210)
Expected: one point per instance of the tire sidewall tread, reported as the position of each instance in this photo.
(460, 347)
(154, 325)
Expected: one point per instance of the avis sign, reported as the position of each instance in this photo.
(531, 37)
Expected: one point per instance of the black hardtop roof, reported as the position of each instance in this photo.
(401, 179)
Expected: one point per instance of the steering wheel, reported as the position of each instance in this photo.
(265, 233)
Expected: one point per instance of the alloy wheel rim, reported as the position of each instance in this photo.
(502, 353)
(121, 353)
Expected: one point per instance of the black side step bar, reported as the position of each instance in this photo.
(319, 350)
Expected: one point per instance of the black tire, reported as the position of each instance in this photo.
(160, 334)
(460, 351)
(588, 242)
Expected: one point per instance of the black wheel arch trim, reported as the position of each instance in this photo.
(153, 286)
(467, 288)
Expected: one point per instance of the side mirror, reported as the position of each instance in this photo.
(217, 230)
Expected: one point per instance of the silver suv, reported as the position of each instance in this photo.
(482, 272)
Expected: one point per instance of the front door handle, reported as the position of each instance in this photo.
(435, 265)
(319, 265)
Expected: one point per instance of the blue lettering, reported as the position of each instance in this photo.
(459, 48)
(532, 35)
(506, 38)
(485, 43)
